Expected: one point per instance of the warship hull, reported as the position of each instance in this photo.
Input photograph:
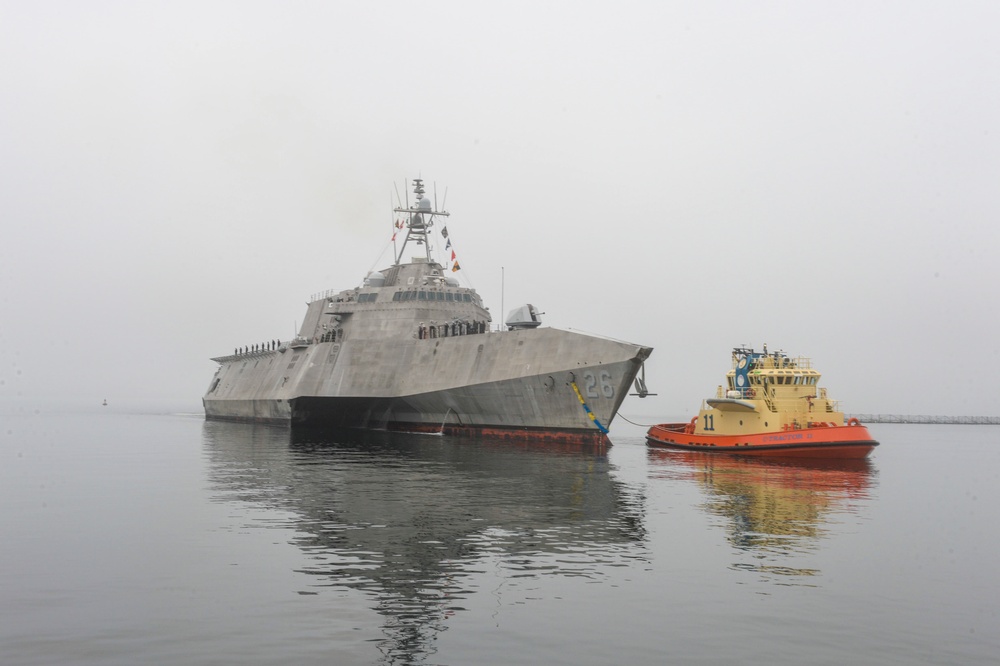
(536, 383)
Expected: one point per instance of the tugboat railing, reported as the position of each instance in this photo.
(772, 402)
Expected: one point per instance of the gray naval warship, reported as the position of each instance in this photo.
(411, 349)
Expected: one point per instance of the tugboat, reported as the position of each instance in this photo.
(771, 406)
(411, 349)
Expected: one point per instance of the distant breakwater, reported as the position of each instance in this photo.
(909, 418)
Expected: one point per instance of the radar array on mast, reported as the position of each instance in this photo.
(419, 221)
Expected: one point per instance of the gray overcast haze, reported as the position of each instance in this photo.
(179, 177)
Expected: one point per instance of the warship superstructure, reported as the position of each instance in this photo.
(412, 349)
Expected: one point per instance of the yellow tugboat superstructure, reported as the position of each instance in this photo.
(771, 404)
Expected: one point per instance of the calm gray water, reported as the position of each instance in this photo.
(167, 540)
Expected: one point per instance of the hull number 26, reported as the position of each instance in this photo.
(592, 383)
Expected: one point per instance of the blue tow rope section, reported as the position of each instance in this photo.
(593, 418)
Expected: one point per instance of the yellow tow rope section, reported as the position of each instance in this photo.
(587, 409)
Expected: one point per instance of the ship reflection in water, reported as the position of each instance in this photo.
(412, 520)
(776, 510)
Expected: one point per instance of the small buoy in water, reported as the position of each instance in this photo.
(105, 403)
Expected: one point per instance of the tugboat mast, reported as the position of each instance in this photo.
(419, 220)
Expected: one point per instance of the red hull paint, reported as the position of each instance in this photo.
(589, 439)
(850, 441)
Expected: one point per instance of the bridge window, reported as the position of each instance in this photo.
(422, 296)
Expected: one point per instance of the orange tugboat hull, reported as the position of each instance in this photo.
(820, 441)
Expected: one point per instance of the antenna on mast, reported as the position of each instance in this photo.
(395, 229)
(419, 220)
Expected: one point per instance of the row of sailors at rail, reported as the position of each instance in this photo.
(263, 346)
(450, 330)
(336, 335)
(424, 332)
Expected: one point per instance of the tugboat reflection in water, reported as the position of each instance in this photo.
(777, 509)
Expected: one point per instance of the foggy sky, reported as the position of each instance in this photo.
(178, 178)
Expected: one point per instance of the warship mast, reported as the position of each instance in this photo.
(419, 220)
